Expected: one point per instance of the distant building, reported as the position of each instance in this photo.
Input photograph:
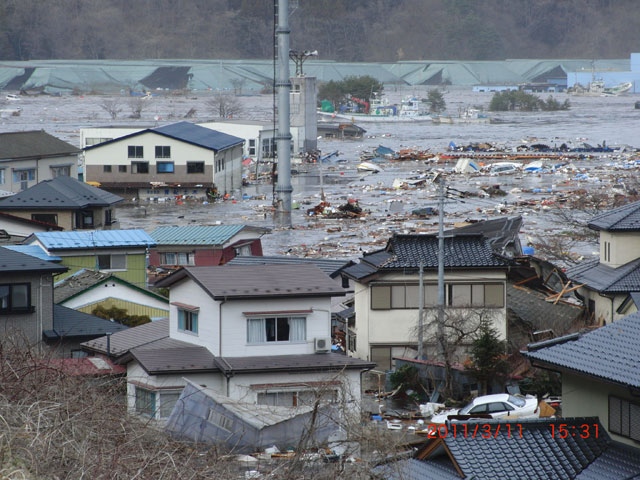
(27, 158)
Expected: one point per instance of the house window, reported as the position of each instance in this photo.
(293, 398)
(607, 251)
(476, 295)
(163, 152)
(51, 218)
(164, 167)
(381, 356)
(1, 176)
(112, 262)
(624, 418)
(252, 146)
(61, 171)
(122, 168)
(84, 219)
(95, 140)
(177, 258)
(15, 298)
(168, 400)
(187, 321)
(23, 177)
(276, 329)
(219, 164)
(145, 402)
(139, 167)
(195, 167)
(384, 297)
(244, 250)
(135, 151)
(108, 217)
(106, 168)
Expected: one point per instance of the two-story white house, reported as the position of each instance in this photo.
(257, 334)
(181, 159)
(386, 285)
(610, 284)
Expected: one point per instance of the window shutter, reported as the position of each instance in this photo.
(180, 319)
(194, 322)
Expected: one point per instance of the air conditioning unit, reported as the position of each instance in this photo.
(322, 344)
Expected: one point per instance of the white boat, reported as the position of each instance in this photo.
(468, 115)
(380, 110)
(12, 97)
(368, 167)
(597, 89)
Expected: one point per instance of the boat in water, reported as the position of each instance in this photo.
(467, 115)
(379, 109)
(597, 89)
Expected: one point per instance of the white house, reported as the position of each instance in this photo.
(257, 334)
(178, 159)
(387, 294)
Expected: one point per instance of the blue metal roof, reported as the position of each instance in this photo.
(195, 235)
(94, 239)
(200, 136)
(34, 251)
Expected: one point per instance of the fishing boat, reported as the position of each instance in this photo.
(597, 88)
(379, 109)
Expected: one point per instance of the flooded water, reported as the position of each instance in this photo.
(590, 119)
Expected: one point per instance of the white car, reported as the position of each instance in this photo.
(500, 405)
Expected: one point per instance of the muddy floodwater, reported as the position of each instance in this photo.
(591, 119)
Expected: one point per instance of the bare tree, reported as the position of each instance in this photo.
(112, 106)
(137, 105)
(224, 105)
(238, 84)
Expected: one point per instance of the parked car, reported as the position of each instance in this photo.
(498, 406)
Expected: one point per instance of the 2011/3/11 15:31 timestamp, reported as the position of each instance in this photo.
(562, 430)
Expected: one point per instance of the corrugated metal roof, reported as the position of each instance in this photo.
(94, 239)
(200, 136)
(35, 251)
(239, 281)
(195, 235)
(12, 261)
(611, 352)
(122, 342)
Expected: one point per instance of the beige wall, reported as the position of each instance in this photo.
(66, 218)
(43, 170)
(586, 397)
(605, 310)
(625, 247)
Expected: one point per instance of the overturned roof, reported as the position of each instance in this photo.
(610, 353)
(202, 235)
(61, 193)
(36, 143)
(258, 281)
(621, 219)
(500, 232)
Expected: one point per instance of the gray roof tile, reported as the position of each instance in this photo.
(72, 323)
(123, 342)
(327, 265)
(611, 352)
(77, 283)
(259, 281)
(500, 232)
(36, 143)
(621, 219)
(606, 279)
(11, 261)
(59, 193)
(162, 358)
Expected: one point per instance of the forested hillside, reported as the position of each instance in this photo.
(346, 30)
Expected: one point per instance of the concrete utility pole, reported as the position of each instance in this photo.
(283, 137)
(440, 330)
(420, 311)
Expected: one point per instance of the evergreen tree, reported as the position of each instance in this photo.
(488, 359)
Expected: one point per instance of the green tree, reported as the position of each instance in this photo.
(339, 93)
(488, 359)
(523, 101)
(436, 102)
(120, 315)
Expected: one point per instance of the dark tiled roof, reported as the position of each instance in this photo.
(161, 358)
(123, 342)
(36, 143)
(11, 261)
(76, 283)
(530, 449)
(329, 266)
(59, 193)
(72, 323)
(231, 281)
(499, 232)
(200, 136)
(610, 353)
(369, 264)
(460, 251)
(621, 219)
(312, 361)
(606, 279)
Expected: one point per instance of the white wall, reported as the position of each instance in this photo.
(625, 247)
(105, 133)
(112, 288)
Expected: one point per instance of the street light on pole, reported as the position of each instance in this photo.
(299, 58)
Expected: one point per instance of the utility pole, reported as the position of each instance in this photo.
(420, 312)
(283, 138)
(440, 329)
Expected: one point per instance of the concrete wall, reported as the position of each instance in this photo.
(584, 396)
(42, 170)
(28, 327)
(303, 99)
(624, 247)
(605, 306)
